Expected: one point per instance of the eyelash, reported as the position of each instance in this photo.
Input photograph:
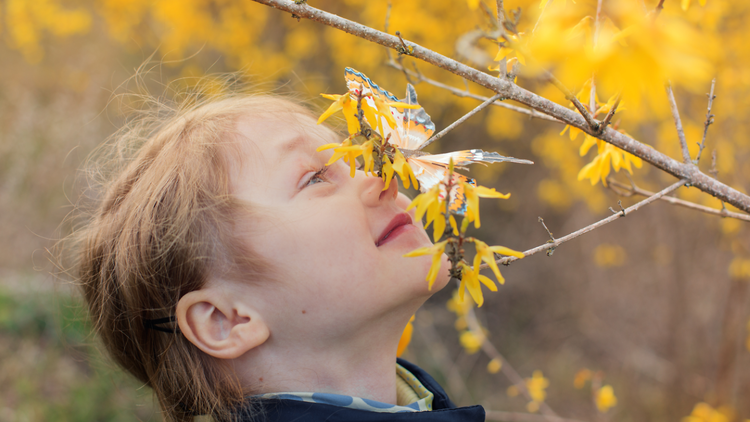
(320, 174)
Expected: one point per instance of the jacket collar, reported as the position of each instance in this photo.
(282, 410)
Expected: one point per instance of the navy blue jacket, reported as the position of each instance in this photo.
(280, 410)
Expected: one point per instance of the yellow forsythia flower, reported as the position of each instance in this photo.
(703, 412)
(740, 268)
(473, 193)
(404, 170)
(537, 386)
(605, 398)
(599, 168)
(405, 339)
(345, 103)
(686, 4)
(470, 279)
(494, 366)
(487, 254)
(431, 204)
(347, 151)
(471, 341)
(436, 251)
(461, 308)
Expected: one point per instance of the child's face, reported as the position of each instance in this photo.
(323, 234)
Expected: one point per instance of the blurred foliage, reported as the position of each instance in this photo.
(52, 372)
(651, 301)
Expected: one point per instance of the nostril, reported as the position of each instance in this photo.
(383, 193)
(392, 191)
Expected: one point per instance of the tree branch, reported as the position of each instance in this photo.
(463, 118)
(686, 171)
(709, 121)
(625, 190)
(678, 125)
(465, 93)
(552, 245)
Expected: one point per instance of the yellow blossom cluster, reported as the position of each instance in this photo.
(536, 385)
(703, 412)
(28, 21)
(604, 396)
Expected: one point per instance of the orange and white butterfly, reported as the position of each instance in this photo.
(412, 132)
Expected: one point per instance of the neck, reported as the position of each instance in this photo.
(364, 370)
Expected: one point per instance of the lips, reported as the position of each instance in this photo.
(398, 225)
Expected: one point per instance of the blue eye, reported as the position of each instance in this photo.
(317, 177)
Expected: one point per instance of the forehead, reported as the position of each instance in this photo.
(273, 143)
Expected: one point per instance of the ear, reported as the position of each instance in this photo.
(219, 324)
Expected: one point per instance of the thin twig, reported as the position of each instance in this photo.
(608, 117)
(511, 91)
(552, 238)
(513, 376)
(541, 220)
(709, 121)
(405, 49)
(627, 211)
(465, 93)
(497, 415)
(593, 124)
(500, 14)
(635, 190)
(659, 7)
(678, 125)
(453, 125)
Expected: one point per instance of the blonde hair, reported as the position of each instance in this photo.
(163, 224)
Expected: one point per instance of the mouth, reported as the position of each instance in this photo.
(400, 223)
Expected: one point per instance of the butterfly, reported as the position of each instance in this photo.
(412, 132)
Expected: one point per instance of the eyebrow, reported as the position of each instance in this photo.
(297, 143)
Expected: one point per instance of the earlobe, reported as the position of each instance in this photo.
(220, 325)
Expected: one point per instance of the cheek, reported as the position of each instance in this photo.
(317, 243)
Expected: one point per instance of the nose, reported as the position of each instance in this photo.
(372, 191)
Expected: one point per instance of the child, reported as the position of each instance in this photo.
(230, 270)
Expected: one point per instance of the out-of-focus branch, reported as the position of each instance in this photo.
(497, 415)
(463, 118)
(625, 190)
(678, 125)
(659, 7)
(627, 211)
(709, 121)
(509, 90)
(513, 376)
(465, 93)
(500, 13)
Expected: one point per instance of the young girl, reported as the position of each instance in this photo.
(230, 270)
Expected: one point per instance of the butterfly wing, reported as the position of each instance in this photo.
(416, 127)
(470, 156)
(430, 172)
(431, 169)
(356, 81)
